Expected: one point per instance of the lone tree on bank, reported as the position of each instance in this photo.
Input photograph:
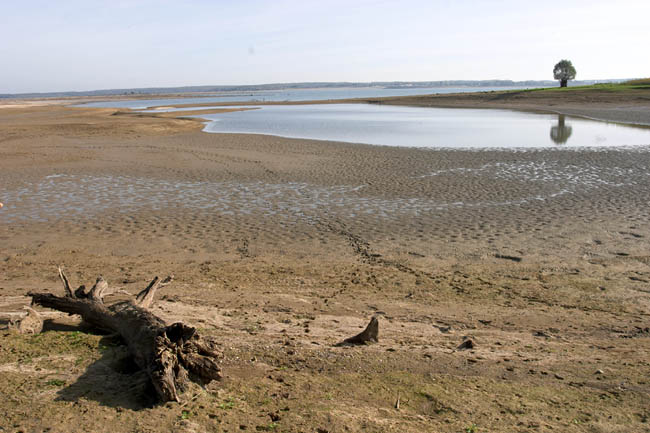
(564, 71)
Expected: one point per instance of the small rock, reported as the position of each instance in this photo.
(467, 344)
(558, 377)
(599, 371)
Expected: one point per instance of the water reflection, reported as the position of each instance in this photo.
(560, 133)
(424, 127)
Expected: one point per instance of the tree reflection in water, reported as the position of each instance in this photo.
(560, 133)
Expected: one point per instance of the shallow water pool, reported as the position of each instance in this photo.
(426, 127)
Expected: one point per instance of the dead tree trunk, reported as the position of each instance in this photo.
(171, 355)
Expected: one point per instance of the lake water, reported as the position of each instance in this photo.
(292, 95)
(426, 127)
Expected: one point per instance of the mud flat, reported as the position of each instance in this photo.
(284, 247)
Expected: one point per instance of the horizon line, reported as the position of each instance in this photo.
(258, 86)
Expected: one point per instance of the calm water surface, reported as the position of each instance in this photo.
(426, 127)
(292, 95)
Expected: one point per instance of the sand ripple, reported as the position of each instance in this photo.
(87, 196)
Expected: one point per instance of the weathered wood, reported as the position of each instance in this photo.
(369, 335)
(32, 323)
(171, 355)
(66, 284)
(468, 343)
(144, 299)
(100, 289)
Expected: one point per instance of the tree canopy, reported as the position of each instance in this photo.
(564, 71)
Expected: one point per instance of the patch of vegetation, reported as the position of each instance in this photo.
(228, 404)
(640, 81)
(269, 427)
(55, 382)
(185, 414)
(78, 339)
(19, 348)
(253, 328)
(608, 87)
(433, 403)
(473, 428)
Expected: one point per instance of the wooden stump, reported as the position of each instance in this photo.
(171, 355)
(369, 335)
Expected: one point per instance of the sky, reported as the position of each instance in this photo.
(70, 45)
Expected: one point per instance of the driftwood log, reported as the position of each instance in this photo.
(171, 355)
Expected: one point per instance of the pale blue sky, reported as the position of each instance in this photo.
(86, 44)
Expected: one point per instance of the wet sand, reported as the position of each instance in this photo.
(283, 247)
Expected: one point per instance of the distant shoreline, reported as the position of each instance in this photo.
(611, 103)
(629, 105)
(137, 93)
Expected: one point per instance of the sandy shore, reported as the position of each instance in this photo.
(283, 247)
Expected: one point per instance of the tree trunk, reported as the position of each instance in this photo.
(170, 354)
(563, 83)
